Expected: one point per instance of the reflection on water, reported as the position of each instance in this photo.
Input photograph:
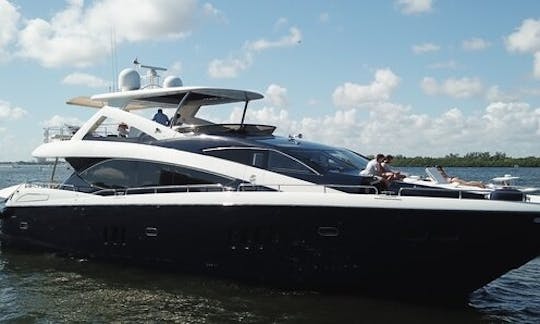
(45, 287)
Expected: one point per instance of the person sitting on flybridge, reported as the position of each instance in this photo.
(455, 180)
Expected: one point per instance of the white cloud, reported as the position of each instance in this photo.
(536, 68)
(457, 88)
(424, 135)
(84, 79)
(270, 116)
(535, 92)
(9, 18)
(425, 48)
(526, 39)
(60, 121)
(410, 7)
(175, 69)
(210, 11)
(451, 65)
(265, 115)
(430, 86)
(277, 95)
(294, 37)
(352, 95)
(232, 66)
(229, 68)
(339, 129)
(500, 117)
(475, 44)
(9, 112)
(79, 36)
(494, 94)
(282, 21)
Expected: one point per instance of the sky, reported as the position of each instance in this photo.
(409, 77)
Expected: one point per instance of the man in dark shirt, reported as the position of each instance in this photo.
(161, 118)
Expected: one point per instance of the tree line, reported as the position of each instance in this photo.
(474, 159)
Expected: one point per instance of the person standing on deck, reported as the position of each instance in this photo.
(161, 118)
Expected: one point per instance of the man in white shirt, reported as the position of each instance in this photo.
(373, 168)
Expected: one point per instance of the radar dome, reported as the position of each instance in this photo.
(129, 79)
(172, 81)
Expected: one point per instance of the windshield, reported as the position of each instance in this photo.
(331, 160)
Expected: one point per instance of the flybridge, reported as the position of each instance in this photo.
(171, 94)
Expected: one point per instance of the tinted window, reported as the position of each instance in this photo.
(235, 155)
(282, 163)
(117, 174)
(113, 174)
(264, 159)
(335, 161)
(256, 158)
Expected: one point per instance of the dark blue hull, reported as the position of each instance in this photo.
(427, 254)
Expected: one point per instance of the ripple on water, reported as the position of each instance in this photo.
(514, 297)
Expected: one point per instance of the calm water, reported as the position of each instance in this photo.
(44, 288)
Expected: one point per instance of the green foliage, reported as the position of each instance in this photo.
(474, 159)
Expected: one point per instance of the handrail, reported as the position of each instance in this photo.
(324, 187)
(354, 189)
(366, 187)
(50, 185)
(163, 189)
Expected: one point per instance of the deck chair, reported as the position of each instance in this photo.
(436, 176)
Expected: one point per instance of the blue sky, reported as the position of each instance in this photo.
(411, 77)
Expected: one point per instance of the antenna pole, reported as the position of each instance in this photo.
(244, 113)
(113, 60)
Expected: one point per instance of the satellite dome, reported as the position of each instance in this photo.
(172, 81)
(129, 79)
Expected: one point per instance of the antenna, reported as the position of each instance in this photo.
(114, 62)
(153, 68)
(152, 74)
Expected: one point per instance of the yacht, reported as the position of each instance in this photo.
(237, 201)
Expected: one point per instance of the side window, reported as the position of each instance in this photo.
(263, 159)
(258, 159)
(147, 174)
(282, 163)
(175, 175)
(113, 129)
(112, 174)
(118, 174)
(255, 158)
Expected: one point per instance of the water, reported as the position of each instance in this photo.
(43, 288)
